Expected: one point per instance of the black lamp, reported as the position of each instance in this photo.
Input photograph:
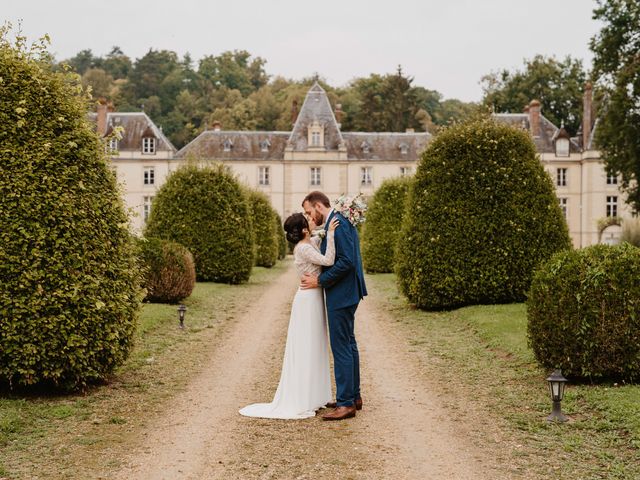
(181, 311)
(556, 388)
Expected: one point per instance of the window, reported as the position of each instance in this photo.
(264, 145)
(404, 148)
(315, 135)
(563, 206)
(149, 176)
(148, 145)
(263, 175)
(316, 179)
(562, 147)
(113, 145)
(227, 145)
(561, 177)
(146, 208)
(366, 176)
(612, 206)
(405, 171)
(366, 148)
(315, 139)
(612, 179)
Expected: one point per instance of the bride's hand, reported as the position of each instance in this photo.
(334, 224)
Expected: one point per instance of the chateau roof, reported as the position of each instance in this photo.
(548, 131)
(385, 146)
(210, 144)
(316, 107)
(136, 125)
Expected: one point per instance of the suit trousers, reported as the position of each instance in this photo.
(346, 360)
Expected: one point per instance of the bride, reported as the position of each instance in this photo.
(305, 384)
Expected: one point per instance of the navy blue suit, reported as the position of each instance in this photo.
(343, 283)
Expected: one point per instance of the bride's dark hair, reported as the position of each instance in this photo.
(294, 226)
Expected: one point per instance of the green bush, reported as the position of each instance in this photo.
(169, 270)
(264, 227)
(631, 231)
(384, 221)
(481, 215)
(205, 209)
(583, 313)
(282, 239)
(69, 288)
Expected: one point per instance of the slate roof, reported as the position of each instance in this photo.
(316, 107)
(548, 131)
(385, 146)
(136, 125)
(243, 145)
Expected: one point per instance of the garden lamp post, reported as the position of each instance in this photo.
(181, 311)
(556, 388)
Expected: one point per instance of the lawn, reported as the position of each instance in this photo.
(51, 435)
(481, 353)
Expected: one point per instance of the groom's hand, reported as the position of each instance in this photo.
(309, 281)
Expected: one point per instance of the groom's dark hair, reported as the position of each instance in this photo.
(317, 197)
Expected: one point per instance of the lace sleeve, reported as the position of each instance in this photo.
(311, 255)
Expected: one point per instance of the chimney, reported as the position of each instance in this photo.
(102, 109)
(294, 112)
(410, 130)
(216, 126)
(534, 118)
(587, 112)
(339, 114)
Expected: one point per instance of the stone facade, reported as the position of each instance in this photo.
(317, 155)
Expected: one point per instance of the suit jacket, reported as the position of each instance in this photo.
(343, 282)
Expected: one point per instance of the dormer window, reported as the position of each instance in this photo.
(264, 145)
(562, 147)
(113, 145)
(227, 145)
(316, 135)
(366, 148)
(404, 148)
(148, 145)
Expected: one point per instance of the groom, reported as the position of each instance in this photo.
(344, 287)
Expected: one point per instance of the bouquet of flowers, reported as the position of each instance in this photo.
(351, 208)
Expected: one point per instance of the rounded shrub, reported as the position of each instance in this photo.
(481, 215)
(282, 239)
(205, 209)
(582, 313)
(69, 287)
(169, 270)
(382, 228)
(264, 227)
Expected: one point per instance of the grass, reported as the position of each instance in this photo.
(480, 355)
(49, 435)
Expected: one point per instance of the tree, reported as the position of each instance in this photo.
(557, 84)
(616, 70)
(69, 290)
(234, 70)
(101, 82)
(481, 215)
(83, 61)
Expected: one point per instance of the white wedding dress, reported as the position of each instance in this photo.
(305, 382)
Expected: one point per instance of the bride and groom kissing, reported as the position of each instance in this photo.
(328, 265)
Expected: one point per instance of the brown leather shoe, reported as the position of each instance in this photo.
(340, 413)
(358, 404)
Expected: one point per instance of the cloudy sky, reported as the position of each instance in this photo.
(446, 45)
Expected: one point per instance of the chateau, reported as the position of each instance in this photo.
(317, 155)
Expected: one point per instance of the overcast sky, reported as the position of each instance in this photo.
(446, 45)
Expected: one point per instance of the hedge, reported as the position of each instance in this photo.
(69, 288)
(582, 313)
(205, 209)
(382, 228)
(264, 226)
(283, 247)
(482, 214)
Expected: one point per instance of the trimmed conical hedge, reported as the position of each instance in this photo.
(282, 239)
(264, 226)
(482, 215)
(583, 313)
(206, 210)
(383, 225)
(69, 289)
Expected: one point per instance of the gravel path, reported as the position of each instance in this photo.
(403, 432)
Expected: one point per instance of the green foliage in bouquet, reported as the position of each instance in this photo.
(264, 226)
(583, 313)
(69, 288)
(481, 216)
(205, 209)
(382, 228)
(169, 270)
